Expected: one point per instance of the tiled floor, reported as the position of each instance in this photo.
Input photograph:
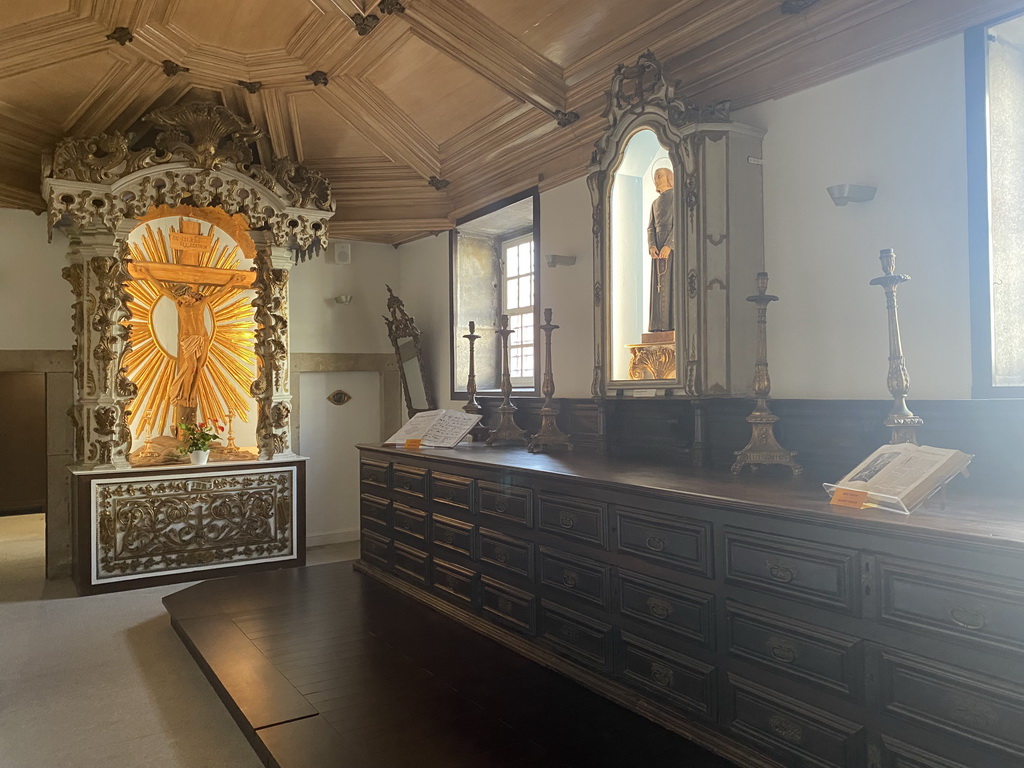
(102, 680)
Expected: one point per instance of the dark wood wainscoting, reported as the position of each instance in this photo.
(830, 436)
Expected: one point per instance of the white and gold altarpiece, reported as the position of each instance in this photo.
(180, 246)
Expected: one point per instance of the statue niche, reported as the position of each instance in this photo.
(192, 328)
(677, 221)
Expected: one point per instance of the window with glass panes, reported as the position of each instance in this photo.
(995, 117)
(518, 303)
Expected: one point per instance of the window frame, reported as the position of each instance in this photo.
(506, 241)
(978, 210)
(533, 388)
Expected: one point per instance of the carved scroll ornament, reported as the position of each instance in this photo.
(201, 155)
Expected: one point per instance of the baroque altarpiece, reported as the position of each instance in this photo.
(180, 246)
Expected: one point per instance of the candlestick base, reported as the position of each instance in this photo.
(903, 428)
(763, 448)
(549, 433)
(507, 430)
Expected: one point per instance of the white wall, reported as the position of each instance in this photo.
(35, 301)
(898, 125)
(329, 434)
(320, 324)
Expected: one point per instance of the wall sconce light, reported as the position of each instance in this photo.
(554, 260)
(842, 194)
(345, 298)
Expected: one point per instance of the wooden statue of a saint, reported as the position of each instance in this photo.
(660, 241)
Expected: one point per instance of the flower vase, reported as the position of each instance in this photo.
(199, 457)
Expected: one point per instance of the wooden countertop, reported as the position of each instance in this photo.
(969, 513)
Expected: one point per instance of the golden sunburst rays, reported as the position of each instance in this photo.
(230, 363)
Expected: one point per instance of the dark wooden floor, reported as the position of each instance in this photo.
(321, 666)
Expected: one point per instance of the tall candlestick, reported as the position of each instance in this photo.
(763, 447)
(478, 432)
(507, 430)
(549, 433)
(902, 423)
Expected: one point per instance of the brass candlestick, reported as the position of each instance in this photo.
(763, 448)
(231, 430)
(900, 420)
(507, 430)
(549, 433)
(472, 406)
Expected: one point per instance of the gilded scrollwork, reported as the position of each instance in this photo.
(151, 526)
(95, 182)
(271, 347)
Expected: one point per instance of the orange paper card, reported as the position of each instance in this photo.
(845, 497)
(413, 444)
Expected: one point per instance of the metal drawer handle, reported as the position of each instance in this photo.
(407, 485)
(660, 609)
(780, 572)
(967, 618)
(782, 652)
(499, 555)
(448, 538)
(500, 506)
(661, 674)
(570, 633)
(505, 605)
(569, 579)
(371, 477)
(567, 520)
(449, 496)
(655, 543)
(786, 729)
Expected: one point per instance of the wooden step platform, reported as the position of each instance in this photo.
(322, 666)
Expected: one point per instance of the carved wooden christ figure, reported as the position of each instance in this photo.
(192, 288)
(660, 241)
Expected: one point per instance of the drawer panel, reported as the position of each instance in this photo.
(806, 735)
(896, 754)
(506, 553)
(373, 473)
(952, 604)
(680, 543)
(410, 523)
(452, 535)
(451, 490)
(453, 582)
(508, 606)
(506, 503)
(582, 638)
(828, 660)
(574, 576)
(585, 521)
(800, 570)
(686, 682)
(375, 512)
(409, 481)
(411, 564)
(953, 700)
(685, 612)
(375, 549)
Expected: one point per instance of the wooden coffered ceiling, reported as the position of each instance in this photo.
(445, 105)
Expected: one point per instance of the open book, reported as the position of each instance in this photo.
(437, 429)
(906, 472)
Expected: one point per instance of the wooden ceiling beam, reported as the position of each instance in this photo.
(33, 45)
(275, 112)
(463, 33)
(367, 109)
(112, 96)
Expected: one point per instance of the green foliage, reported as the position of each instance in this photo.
(197, 437)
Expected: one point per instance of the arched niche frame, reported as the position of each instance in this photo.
(716, 238)
(97, 189)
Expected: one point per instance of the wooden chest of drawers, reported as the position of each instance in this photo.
(753, 619)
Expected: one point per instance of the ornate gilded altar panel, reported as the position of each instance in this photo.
(158, 524)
